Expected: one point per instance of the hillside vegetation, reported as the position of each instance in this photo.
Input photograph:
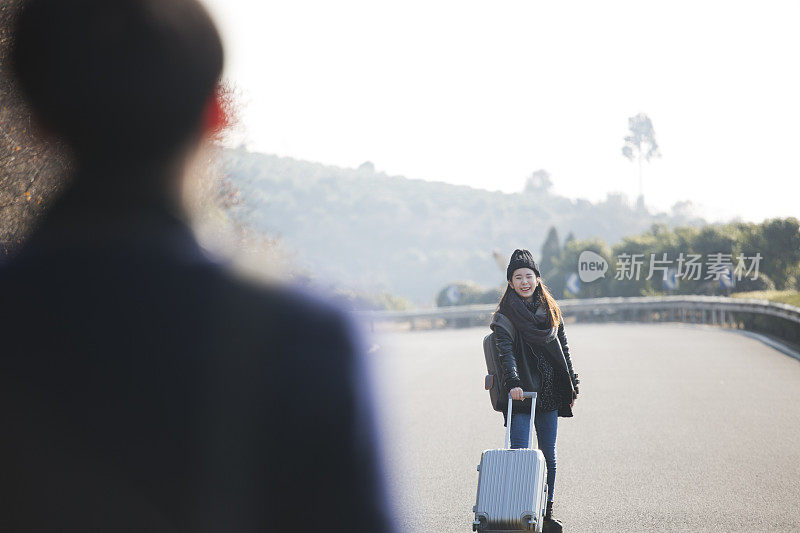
(376, 232)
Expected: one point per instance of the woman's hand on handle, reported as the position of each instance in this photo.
(516, 393)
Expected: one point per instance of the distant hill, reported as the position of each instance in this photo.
(371, 231)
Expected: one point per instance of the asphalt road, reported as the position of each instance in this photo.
(677, 428)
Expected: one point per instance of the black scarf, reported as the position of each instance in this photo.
(533, 325)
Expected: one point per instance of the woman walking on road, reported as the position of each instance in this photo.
(532, 362)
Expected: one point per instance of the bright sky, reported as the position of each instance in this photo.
(483, 93)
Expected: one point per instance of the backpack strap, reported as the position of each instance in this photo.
(501, 320)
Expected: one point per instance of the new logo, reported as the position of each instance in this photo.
(591, 266)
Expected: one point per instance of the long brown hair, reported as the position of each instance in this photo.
(552, 305)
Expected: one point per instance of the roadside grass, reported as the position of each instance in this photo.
(785, 297)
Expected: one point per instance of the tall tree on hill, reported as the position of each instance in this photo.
(539, 181)
(640, 143)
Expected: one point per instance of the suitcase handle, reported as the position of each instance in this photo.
(508, 418)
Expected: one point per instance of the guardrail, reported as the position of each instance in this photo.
(702, 309)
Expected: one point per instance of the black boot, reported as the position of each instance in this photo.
(550, 524)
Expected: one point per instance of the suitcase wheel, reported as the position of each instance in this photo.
(531, 522)
(480, 522)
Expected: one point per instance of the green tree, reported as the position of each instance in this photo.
(778, 241)
(568, 263)
(551, 251)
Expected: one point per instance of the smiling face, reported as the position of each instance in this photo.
(524, 281)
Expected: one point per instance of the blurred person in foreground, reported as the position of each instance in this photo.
(143, 386)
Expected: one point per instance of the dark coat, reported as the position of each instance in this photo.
(146, 387)
(520, 370)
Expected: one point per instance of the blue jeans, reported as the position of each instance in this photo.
(546, 425)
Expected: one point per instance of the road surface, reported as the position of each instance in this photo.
(678, 427)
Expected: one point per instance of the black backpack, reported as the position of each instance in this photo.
(494, 379)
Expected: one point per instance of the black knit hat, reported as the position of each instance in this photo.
(521, 259)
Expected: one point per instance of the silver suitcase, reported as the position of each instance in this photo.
(512, 485)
